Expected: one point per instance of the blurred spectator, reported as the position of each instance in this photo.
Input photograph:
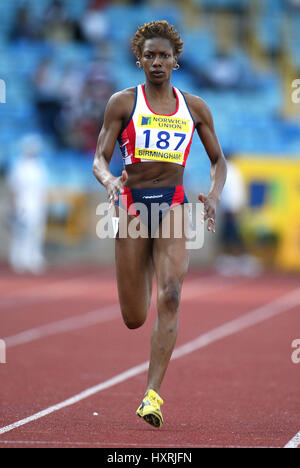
(46, 82)
(97, 90)
(294, 4)
(222, 72)
(71, 103)
(82, 125)
(233, 202)
(28, 184)
(57, 24)
(234, 259)
(25, 26)
(94, 24)
(70, 87)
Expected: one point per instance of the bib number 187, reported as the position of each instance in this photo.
(163, 139)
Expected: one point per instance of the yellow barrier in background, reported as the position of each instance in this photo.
(273, 211)
(67, 219)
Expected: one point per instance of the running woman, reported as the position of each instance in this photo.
(154, 125)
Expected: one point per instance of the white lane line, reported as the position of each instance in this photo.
(80, 396)
(45, 292)
(104, 314)
(67, 288)
(253, 317)
(294, 442)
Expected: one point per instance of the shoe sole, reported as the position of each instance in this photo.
(152, 419)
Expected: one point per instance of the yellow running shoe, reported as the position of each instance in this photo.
(149, 410)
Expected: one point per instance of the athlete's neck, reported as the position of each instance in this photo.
(162, 91)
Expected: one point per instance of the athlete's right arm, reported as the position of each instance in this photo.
(114, 116)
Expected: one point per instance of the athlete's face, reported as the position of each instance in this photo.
(158, 59)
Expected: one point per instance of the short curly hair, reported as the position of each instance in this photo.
(156, 29)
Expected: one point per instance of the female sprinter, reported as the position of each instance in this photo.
(154, 124)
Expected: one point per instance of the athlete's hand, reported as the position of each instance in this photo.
(115, 186)
(210, 208)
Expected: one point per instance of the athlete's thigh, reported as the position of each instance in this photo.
(170, 256)
(134, 271)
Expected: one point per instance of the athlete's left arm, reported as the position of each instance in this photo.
(205, 127)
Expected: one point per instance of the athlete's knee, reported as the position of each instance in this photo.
(133, 324)
(132, 321)
(169, 295)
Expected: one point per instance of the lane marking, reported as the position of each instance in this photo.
(258, 315)
(46, 292)
(103, 314)
(79, 397)
(68, 288)
(294, 442)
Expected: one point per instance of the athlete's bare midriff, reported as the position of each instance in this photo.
(154, 174)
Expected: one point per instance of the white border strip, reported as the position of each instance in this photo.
(294, 442)
(254, 317)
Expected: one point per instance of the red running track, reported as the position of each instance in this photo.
(233, 385)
